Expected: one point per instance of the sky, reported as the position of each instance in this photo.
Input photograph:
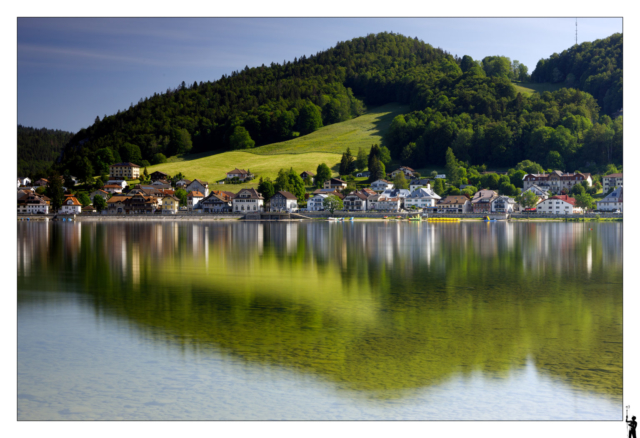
(71, 70)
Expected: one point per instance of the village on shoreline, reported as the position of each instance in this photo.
(543, 195)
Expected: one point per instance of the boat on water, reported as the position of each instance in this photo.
(415, 219)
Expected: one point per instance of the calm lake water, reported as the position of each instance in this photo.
(257, 321)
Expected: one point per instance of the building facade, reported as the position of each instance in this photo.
(556, 181)
(248, 200)
(124, 170)
(609, 181)
(283, 201)
(559, 204)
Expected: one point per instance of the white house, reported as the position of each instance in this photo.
(183, 183)
(161, 184)
(217, 202)
(381, 185)
(316, 202)
(608, 181)
(198, 186)
(248, 200)
(556, 181)
(241, 174)
(99, 192)
(23, 181)
(193, 199)
(356, 201)
(122, 183)
(113, 188)
(71, 206)
(422, 198)
(283, 201)
(503, 204)
(335, 183)
(383, 203)
(538, 191)
(401, 194)
(408, 172)
(454, 204)
(611, 202)
(560, 204)
(417, 183)
(33, 204)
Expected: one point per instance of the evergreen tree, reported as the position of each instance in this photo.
(453, 173)
(361, 160)
(400, 181)
(55, 190)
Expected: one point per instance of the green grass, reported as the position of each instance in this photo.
(529, 88)
(361, 132)
(303, 153)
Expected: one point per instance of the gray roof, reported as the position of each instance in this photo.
(423, 193)
(397, 193)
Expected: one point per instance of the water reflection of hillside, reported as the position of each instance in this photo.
(379, 306)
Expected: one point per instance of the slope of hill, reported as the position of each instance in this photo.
(594, 67)
(38, 149)
(528, 88)
(360, 132)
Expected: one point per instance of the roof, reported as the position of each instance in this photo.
(406, 167)
(484, 196)
(613, 175)
(338, 180)
(124, 164)
(73, 200)
(199, 181)
(308, 173)
(100, 190)
(358, 194)
(286, 194)
(161, 181)
(565, 198)
(184, 181)
(240, 171)
(161, 173)
(195, 194)
(113, 186)
(382, 180)
(454, 199)
(89, 208)
(424, 193)
(420, 181)
(253, 194)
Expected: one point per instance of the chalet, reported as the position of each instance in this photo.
(397, 193)
(316, 203)
(157, 175)
(161, 184)
(356, 201)
(383, 203)
(611, 202)
(70, 206)
(198, 185)
(481, 201)
(408, 172)
(422, 198)
(503, 204)
(381, 185)
(335, 183)
(130, 204)
(193, 199)
(88, 209)
(124, 170)
(556, 181)
(183, 183)
(99, 192)
(113, 188)
(306, 174)
(329, 192)
(559, 204)
(248, 200)
(538, 191)
(217, 202)
(31, 203)
(420, 182)
(283, 201)
(454, 204)
(241, 174)
(609, 181)
(42, 182)
(170, 204)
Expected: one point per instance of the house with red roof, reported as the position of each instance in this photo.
(559, 204)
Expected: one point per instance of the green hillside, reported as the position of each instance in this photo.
(528, 88)
(304, 153)
(360, 132)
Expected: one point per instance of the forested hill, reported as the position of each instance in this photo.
(38, 149)
(594, 67)
(458, 102)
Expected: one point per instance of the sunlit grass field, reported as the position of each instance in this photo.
(529, 88)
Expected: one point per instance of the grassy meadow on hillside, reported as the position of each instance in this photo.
(528, 88)
(359, 132)
(303, 153)
(214, 167)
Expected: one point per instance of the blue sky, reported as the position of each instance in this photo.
(71, 70)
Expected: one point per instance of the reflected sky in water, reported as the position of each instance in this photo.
(319, 321)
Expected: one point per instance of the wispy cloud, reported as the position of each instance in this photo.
(83, 55)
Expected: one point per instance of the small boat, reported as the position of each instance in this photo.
(415, 218)
(488, 219)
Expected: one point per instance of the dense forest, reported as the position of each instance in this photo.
(592, 67)
(38, 149)
(461, 103)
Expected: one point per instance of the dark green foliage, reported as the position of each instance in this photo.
(400, 181)
(159, 158)
(362, 159)
(438, 186)
(578, 189)
(240, 139)
(130, 153)
(310, 118)
(38, 149)
(554, 160)
(323, 173)
(99, 203)
(54, 190)
(266, 188)
(453, 173)
(332, 203)
(594, 67)
(84, 199)
(181, 194)
(377, 170)
(291, 182)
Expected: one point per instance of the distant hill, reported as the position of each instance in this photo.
(594, 67)
(38, 149)
(450, 102)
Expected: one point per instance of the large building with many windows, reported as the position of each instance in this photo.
(124, 170)
(556, 181)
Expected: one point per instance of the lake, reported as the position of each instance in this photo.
(319, 321)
